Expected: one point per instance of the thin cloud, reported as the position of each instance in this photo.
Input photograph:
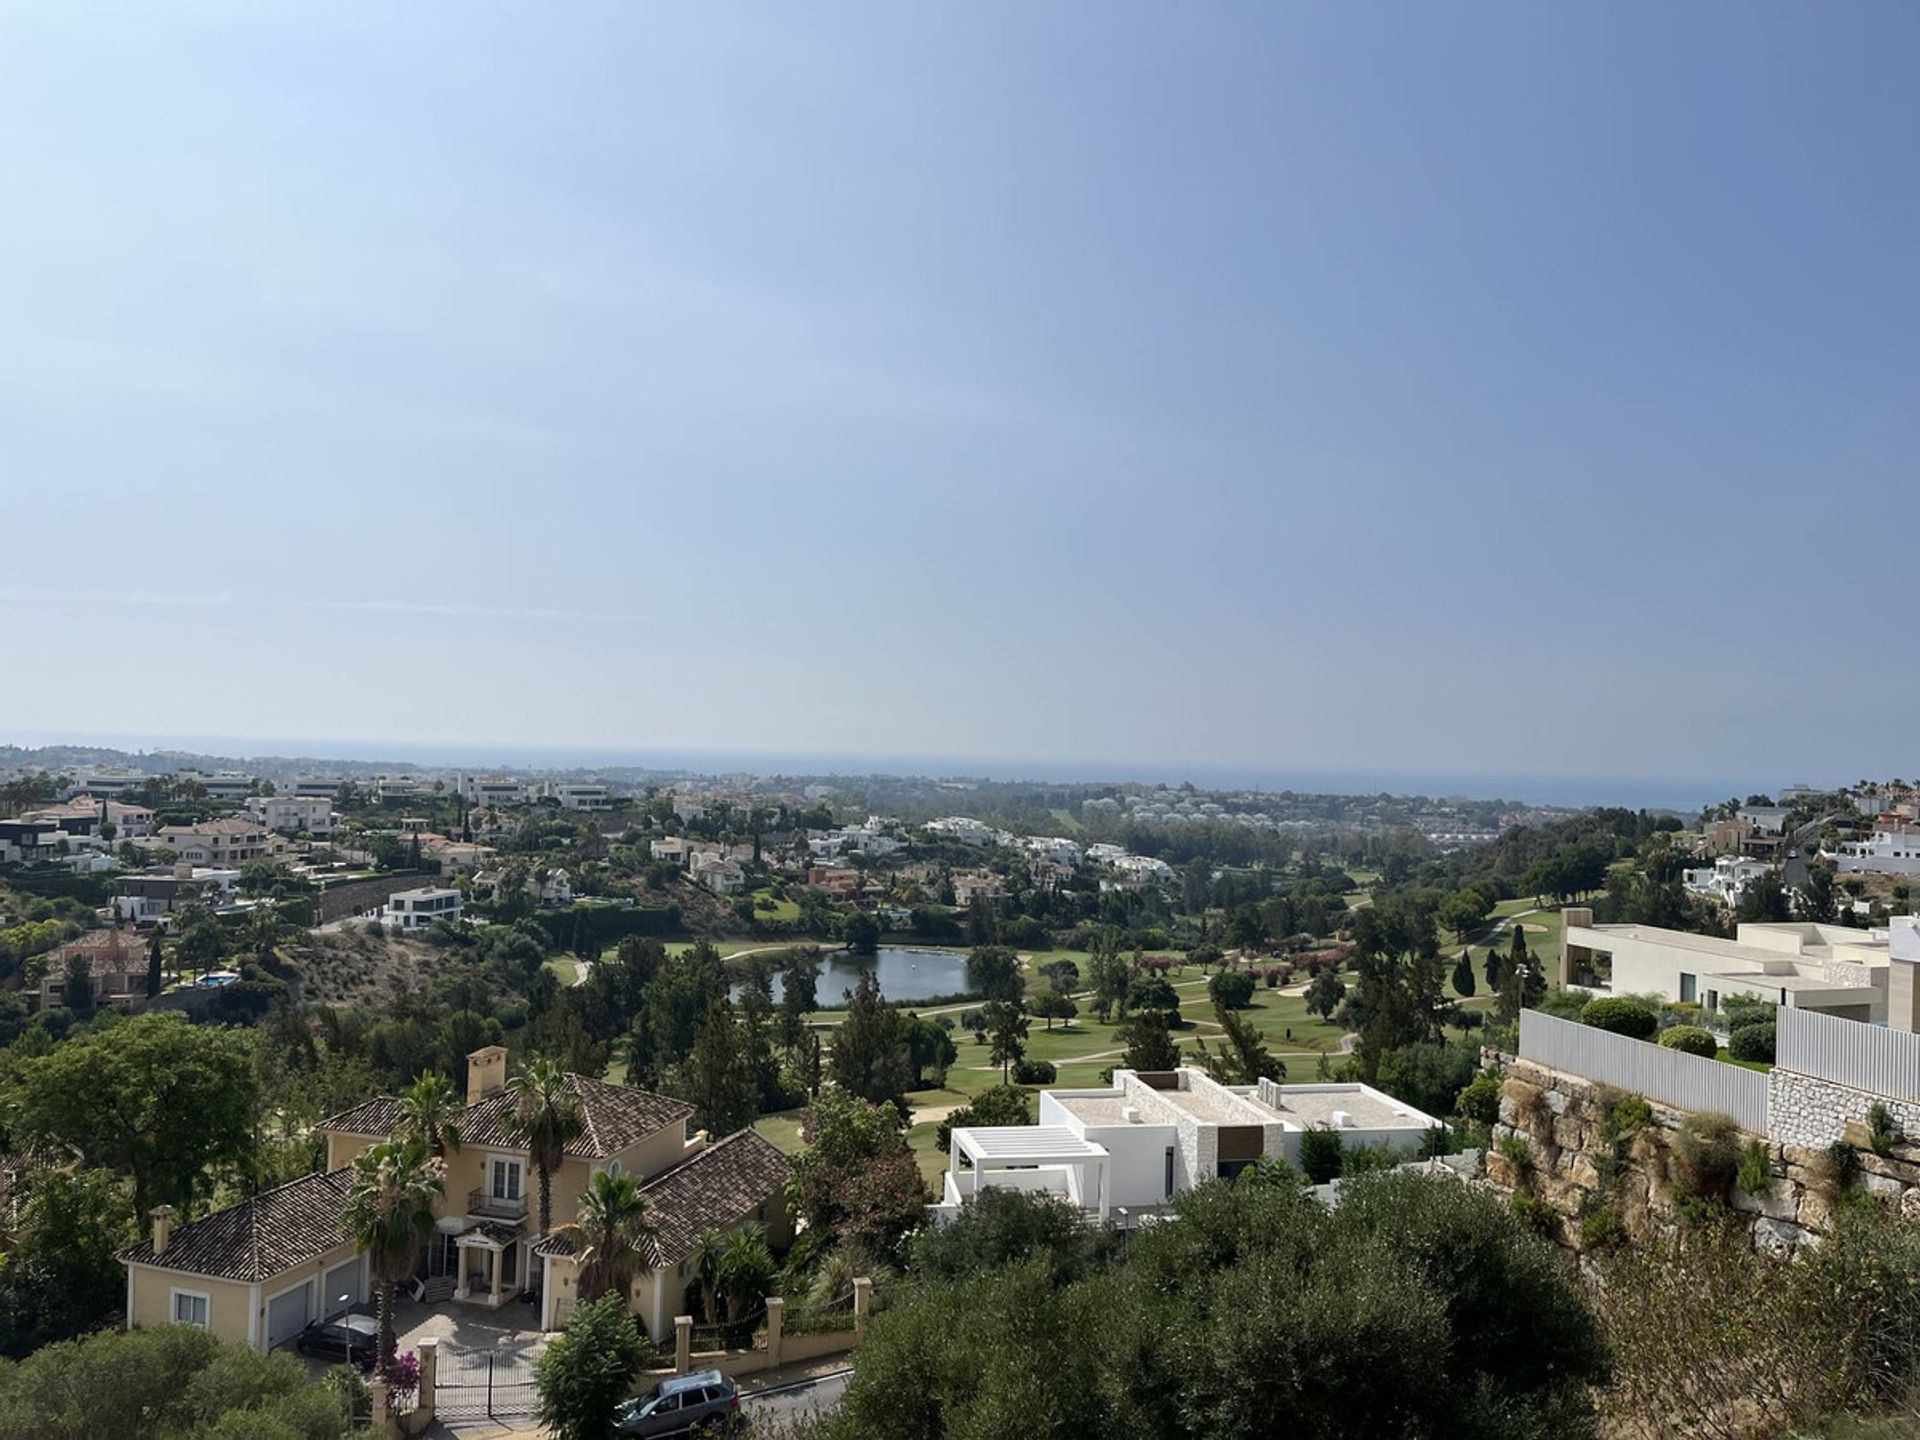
(439, 609)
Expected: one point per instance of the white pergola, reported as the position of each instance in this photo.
(1030, 1157)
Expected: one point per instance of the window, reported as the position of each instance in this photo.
(189, 1308)
(506, 1180)
(1169, 1171)
(1687, 985)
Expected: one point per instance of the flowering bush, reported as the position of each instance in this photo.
(403, 1376)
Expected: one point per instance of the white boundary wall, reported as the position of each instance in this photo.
(1686, 1082)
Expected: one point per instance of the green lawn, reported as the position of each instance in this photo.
(564, 970)
(766, 907)
(783, 1128)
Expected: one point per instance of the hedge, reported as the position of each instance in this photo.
(1620, 1016)
(1753, 1041)
(1691, 1040)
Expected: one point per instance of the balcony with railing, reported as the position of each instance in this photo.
(480, 1202)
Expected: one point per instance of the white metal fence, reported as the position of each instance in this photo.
(1848, 1052)
(1686, 1082)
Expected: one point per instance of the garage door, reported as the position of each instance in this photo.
(341, 1288)
(287, 1315)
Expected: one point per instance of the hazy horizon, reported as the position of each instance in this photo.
(1489, 390)
(1683, 793)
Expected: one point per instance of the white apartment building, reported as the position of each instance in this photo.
(104, 780)
(1830, 968)
(398, 787)
(231, 840)
(1889, 852)
(1129, 1149)
(292, 814)
(221, 784)
(580, 795)
(494, 790)
(418, 909)
(963, 828)
(313, 787)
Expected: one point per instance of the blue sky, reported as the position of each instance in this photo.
(1472, 388)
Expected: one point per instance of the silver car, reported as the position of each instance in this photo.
(706, 1399)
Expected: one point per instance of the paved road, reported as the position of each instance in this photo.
(801, 1401)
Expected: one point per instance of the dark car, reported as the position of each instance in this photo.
(673, 1407)
(352, 1337)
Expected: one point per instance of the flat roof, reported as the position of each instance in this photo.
(1109, 1109)
(1223, 1108)
(1314, 1105)
(1817, 950)
(1024, 1142)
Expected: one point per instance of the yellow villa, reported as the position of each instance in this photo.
(259, 1271)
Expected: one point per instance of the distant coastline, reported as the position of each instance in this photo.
(1680, 794)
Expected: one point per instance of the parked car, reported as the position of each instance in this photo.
(352, 1337)
(673, 1407)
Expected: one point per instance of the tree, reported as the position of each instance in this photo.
(153, 965)
(77, 992)
(389, 1213)
(1463, 982)
(1246, 930)
(746, 1271)
(545, 1118)
(613, 1235)
(858, 1177)
(59, 1277)
(1465, 912)
(1764, 900)
(1149, 1044)
(929, 1047)
(799, 995)
(1054, 1006)
(1107, 972)
(719, 1078)
(431, 1110)
(1817, 900)
(993, 973)
(1522, 983)
(1006, 1023)
(999, 1105)
(151, 1097)
(1325, 992)
(862, 933)
(709, 1249)
(869, 1053)
(588, 1370)
(1231, 989)
(1399, 994)
(1154, 993)
(1243, 1057)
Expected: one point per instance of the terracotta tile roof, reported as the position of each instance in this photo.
(377, 1116)
(258, 1238)
(718, 1188)
(108, 952)
(616, 1116)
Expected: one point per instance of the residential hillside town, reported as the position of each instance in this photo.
(750, 1056)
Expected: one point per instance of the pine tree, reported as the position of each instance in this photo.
(1493, 969)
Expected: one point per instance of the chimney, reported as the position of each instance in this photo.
(486, 1071)
(162, 1228)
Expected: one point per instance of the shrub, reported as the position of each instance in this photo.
(1752, 1041)
(1479, 1101)
(1535, 1214)
(1838, 1168)
(1620, 1016)
(1755, 1173)
(1600, 1228)
(1706, 1157)
(1626, 1115)
(1033, 1072)
(1883, 1128)
(1321, 1155)
(1691, 1040)
(1518, 1154)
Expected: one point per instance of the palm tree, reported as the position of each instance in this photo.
(389, 1212)
(709, 1253)
(614, 1239)
(746, 1269)
(546, 1115)
(430, 1110)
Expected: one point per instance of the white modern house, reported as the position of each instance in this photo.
(1726, 880)
(963, 828)
(418, 909)
(1130, 1149)
(580, 795)
(1831, 968)
(1765, 819)
(493, 790)
(1889, 852)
